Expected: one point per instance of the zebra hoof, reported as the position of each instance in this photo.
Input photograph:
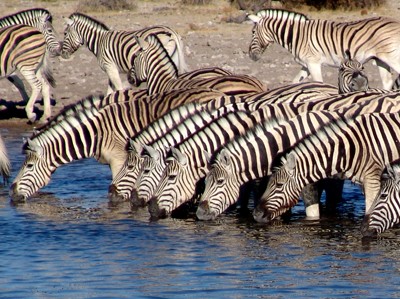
(31, 118)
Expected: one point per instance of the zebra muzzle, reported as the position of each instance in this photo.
(155, 211)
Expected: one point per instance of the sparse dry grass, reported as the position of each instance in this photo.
(87, 6)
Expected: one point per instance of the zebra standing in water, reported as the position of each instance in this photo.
(23, 48)
(5, 165)
(358, 149)
(385, 212)
(314, 43)
(115, 50)
(153, 65)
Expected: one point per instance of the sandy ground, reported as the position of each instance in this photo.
(209, 41)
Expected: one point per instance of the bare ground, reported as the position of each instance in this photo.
(210, 40)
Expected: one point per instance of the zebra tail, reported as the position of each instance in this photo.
(47, 72)
(182, 65)
(5, 165)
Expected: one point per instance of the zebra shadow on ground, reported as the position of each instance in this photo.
(11, 109)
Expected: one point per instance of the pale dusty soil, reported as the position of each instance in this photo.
(209, 41)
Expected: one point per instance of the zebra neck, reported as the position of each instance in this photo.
(93, 38)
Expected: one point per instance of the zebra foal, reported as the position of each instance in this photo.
(358, 149)
(114, 49)
(314, 42)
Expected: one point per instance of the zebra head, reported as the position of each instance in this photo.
(149, 176)
(177, 185)
(259, 41)
(221, 188)
(34, 174)
(123, 183)
(137, 74)
(282, 191)
(73, 40)
(351, 75)
(385, 212)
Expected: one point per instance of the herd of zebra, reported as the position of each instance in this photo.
(212, 138)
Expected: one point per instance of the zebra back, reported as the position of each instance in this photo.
(153, 65)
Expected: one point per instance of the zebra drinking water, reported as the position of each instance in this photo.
(358, 149)
(114, 49)
(314, 42)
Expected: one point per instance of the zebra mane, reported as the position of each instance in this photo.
(71, 117)
(29, 13)
(87, 19)
(71, 110)
(282, 13)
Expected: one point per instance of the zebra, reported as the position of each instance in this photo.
(23, 48)
(384, 212)
(115, 50)
(239, 161)
(157, 138)
(5, 165)
(314, 42)
(153, 65)
(101, 133)
(356, 148)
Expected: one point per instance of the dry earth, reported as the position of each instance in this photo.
(209, 41)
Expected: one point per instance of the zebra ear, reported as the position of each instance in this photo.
(207, 155)
(254, 18)
(134, 147)
(179, 156)
(347, 55)
(290, 163)
(391, 172)
(33, 147)
(225, 158)
(68, 21)
(143, 44)
(154, 154)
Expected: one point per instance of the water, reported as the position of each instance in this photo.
(66, 242)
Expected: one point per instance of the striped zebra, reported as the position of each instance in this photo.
(156, 139)
(23, 49)
(249, 157)
(314, 42)
(5, 165)
(39, 18)
(153, 65)
(115, 50)
(358, 149)
(101, 133)
(385, 211)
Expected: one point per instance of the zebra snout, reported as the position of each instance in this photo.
(114, 195)
(203, 211)
(136, 200)
(366, 230)
(15, 196)
(262, 215)
(155, 211)
(254, 56)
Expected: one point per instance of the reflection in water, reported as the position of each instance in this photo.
(67, 242)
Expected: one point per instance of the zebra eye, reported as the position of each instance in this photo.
(29, 165)
(172, 177)
(384, 196)
(220, 181)
(130, 167)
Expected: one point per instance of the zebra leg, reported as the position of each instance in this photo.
(333, 192)
(385, 73)
(14, 79)
(114, 80)
(302, 75)
(311, 195)
(315, 71)
(36, 86)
